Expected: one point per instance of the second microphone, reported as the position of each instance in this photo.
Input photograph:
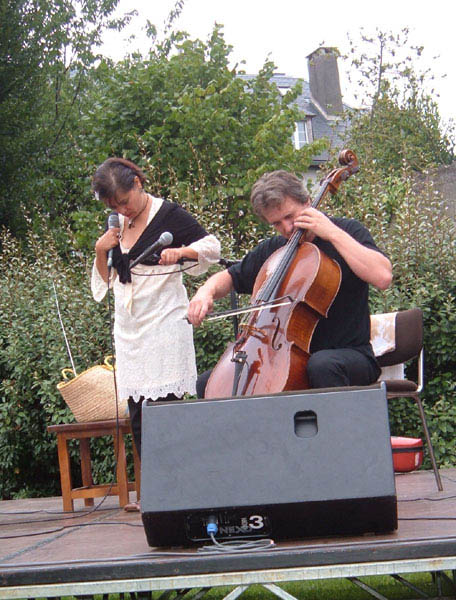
(166, 239)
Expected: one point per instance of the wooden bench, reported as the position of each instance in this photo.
(84, 432)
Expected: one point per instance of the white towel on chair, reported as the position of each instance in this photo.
(383, 340)
(383, 333)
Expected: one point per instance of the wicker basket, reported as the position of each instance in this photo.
(91, 395)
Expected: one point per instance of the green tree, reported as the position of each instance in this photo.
(33, 353)
(46, 49)
(398, 135)
(400, 122)
(203, 134)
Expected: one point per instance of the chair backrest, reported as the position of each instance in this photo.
(409, 338)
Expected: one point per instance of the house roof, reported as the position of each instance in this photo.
(332, 129)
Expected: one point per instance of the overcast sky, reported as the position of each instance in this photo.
(286, 31)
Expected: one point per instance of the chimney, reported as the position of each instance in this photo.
(324, 81)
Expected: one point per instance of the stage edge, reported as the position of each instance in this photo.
(241, 578)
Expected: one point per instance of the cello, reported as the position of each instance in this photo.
(294, 288)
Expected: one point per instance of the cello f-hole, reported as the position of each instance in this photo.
(274, 345)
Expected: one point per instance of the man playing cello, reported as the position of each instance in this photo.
(340, 350)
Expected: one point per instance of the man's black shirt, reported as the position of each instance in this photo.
(348, 321)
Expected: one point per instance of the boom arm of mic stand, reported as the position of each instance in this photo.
(233, 296)
(184, 259)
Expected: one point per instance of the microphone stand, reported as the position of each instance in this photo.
(233, 296)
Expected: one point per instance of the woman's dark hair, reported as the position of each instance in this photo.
(272, 188)
(114, 175)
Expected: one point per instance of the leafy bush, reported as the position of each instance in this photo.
(410, 225)
(33, 353)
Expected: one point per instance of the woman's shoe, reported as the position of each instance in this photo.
(132, 507)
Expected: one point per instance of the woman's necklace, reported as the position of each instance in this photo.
(131, 222)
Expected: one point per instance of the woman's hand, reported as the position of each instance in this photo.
(108, 240)
(170, 256)
(103, 245)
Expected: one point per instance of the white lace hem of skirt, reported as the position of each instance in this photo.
(178, 388)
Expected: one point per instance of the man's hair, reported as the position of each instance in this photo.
(272, 188)
(113, 176)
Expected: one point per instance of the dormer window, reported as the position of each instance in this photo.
(300, 135)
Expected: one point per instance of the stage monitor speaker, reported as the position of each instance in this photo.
(285, 466)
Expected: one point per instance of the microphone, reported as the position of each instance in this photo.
(113, 221)
(165, 239)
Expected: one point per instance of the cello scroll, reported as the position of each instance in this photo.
(332, 181)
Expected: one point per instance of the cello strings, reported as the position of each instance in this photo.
(279, 273)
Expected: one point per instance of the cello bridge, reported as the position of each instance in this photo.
(239, 357)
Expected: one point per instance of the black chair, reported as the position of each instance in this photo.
(409, 345)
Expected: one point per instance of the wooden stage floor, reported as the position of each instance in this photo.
(47, 553)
